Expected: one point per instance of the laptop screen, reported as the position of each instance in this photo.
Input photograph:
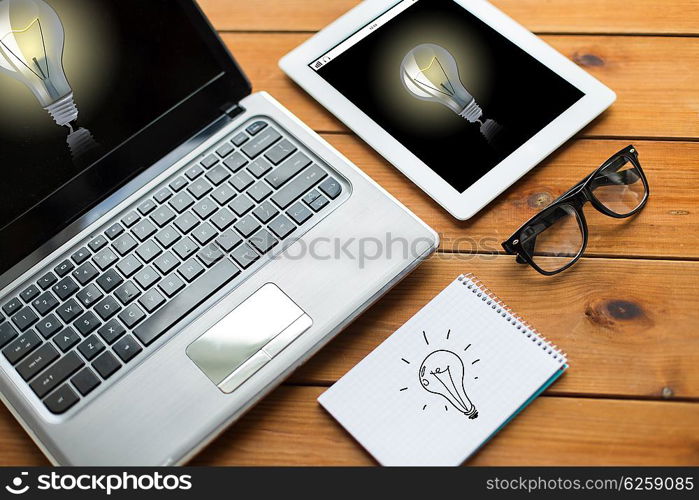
(92, 92)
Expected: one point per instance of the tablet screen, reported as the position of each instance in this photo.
(451, 89)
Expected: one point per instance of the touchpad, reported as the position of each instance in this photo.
(248, 337)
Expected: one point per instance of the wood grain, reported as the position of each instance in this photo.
(654, 78)
(668, 227)
(551, 16)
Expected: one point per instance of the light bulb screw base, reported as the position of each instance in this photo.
(472, 112)
(63, 111)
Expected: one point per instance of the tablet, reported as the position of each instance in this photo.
(455, 94)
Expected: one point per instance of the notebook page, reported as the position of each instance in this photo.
(383, 401)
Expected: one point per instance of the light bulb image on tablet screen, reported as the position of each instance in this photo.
(430, 73)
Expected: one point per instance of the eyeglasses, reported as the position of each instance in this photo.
(555, 239)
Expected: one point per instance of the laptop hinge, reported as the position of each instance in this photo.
(233, 110)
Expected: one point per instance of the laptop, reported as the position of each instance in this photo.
(173, 245)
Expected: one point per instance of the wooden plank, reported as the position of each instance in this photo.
(552, 16)
(629, 326)
(290, 428)
(654, 77)
(667, 227)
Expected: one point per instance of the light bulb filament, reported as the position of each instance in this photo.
(43, 73)
(444, 79)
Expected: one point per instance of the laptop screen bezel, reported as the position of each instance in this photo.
(40, 224)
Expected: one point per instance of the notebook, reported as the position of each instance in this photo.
(446, 381)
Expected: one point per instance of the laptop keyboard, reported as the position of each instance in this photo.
(109, 299)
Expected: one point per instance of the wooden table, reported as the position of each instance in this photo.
(627, 314)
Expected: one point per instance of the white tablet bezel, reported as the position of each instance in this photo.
(461, 205)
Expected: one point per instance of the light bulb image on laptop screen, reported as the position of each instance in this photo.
(32, 39)
(430, 73)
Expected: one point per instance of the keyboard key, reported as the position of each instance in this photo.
(132, 315)
(47, 280)
(289, 169)
(185, 248)
(7, 334)
(260, 143)
(163, 216)
(168, 237)
(26, 317)
(127, 292)
(297, 187)
(282, 227)
(247, 225)
(244, 256)
(180, 306)
(114, 231)
(204, 233)
(104, 258)
(107, 308)
(124, 244)
(280, 152)
(147, 277)
(130, 219)
(57, 373)
(210, 160)
(235, 162)
(181, 202)
(39, 360)
(263, 241)
(166, 262)
(242, 181)
(97, 243)
(199, 188)
(223, 194)
(45, 302)
(21, 347)
(91, 347)
(62, 400)
(222, 219)
(300, 213)
(241, 205)
(331, 188)
(194, 172)
(12, 306)
(225, 150)
(205, 208)
(149, 251)
(110, 280)
(80, 256)
(66, 339)
(129, 266)
(260, 191)
(312, 196)
(127, 348)
(163, 195)
(217, 175)
(29, 293)
(147, 207)
(144, 229)
(151, 300)
(111, 331)
(64, 268)
(170, 285)
(229, 240)
(210, 255)
(85, 381)
(87, 323)
(178, 184)
(89, 295)
(69, 310)
(85, 273)
(106, 365)
(259, 167)
(190, 270)
(256, 127)
(65, 288)
(48, 326)
(240, 139)
(320, 203)
(186, 222)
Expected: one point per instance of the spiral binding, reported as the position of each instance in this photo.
(484, 293)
